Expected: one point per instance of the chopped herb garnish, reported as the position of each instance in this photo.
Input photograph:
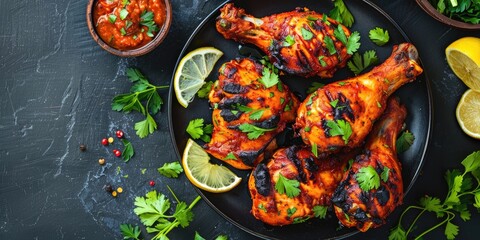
(146, 19)
(320, 211)
(315, 149)
(314, 86)
(123, 32)
(306, 34)
(379, 104)
(289, 41)
(253, 132)
(123, 14)
(291, 211)
(290, 187)
(404, 141)
(197, 129)
(334, 103)
(340, 128)
(384, 174)
(330, 45)
(367, 178)
(269, 77)
(230, 156)
(112, 18)
(321, 61)
(128, 24)
(357, 65)
(205, 89)
(341, 13)
(261, 207)
(340, 34)
(353, 43)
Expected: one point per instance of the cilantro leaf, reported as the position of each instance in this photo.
(204, 91)
(306, 34)
(353, 43)
(340, 128)
(397, 233)
(198, 237)
(314, 149)
(314, 86)
(367, 178)
(256, 114)
(340, 34)
(146, 19)
(472, 162)
(128, 151)
(451, 230)
(384, 174)
(130, 232)
(431, 204)
(253, 132)
(320, 211)
(357, 64)
(291, 211)
(269, 78)
(404, 141)
(289, 41)
(379, 36)
(221, 237)
(330, 45)
(341, 13)
(230, 156)
(290, 187)
(171, 170)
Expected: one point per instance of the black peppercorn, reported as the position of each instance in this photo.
(83, 148)
(108, 188)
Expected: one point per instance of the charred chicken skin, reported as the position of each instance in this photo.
(317, 178)
(341, 114)
(247, 115)
(300, 42)
(356, 207)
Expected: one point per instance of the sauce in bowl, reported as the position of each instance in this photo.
(128, 24)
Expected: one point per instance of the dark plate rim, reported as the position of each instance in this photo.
(171, 97)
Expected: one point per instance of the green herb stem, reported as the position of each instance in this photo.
(451, 216)
(416, 219)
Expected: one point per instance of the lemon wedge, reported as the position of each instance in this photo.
(463, 57)
(468, 112)
(205, 175)
(192, 71)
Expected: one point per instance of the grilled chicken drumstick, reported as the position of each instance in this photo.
(247, 113)
(317, 179)
(341, 114)
(368, 208)
(300, 42)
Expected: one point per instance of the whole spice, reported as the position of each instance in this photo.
(119, 133)
(104, 142)
(117, 152)
(152, 183)
(101, 161)
(119, 189)
(83, 148)
(108, 188)
(110, 140)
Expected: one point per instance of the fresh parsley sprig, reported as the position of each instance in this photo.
(128, 151)
(152, 211)
(461, 190)
(144, 98)
(171, 170)
(146, 19)
(130, 232)
(205, 89)
(269, 74)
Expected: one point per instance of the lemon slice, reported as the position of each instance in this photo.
(205, 175)
(463, 56)
(192, 71)
(468, 112)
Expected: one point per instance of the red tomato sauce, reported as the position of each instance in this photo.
(125, 25)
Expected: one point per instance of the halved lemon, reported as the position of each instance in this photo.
(468, 112)
(463, 56)
(205, 175)
(192, 71)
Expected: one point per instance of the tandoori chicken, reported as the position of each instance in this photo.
(250, 107)
(300, 42)
(373, 186)
(341, 114)
(295, 185)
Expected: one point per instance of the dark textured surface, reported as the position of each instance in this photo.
(57, 85)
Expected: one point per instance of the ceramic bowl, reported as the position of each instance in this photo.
(432, 11)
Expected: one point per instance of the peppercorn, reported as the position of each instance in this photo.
(152, 183)
(119, 133)
(119, 189)
(110, 140)
(101, 161)
(114, 193)
(83, 148)
(104, 142)
(117, 152)
(108, 188)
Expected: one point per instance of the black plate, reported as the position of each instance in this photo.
(235, 205)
